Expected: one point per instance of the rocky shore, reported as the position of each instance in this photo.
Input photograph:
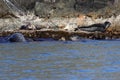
(60, 28)
(57, 19)
(64, 35)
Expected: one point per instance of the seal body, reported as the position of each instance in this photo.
(17, 37)
(29, 26)
(95, 27)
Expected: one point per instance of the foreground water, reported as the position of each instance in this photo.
(55, 60)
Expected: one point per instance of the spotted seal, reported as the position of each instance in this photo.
(101, 27)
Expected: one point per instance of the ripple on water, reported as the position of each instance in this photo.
(29, 78)
(52, 60)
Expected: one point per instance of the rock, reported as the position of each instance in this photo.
(42, 9)
(62, 39)
(16, 37)
(3, 9)
(8, 9)
(70, 26)
(75, 38)
(58, 8)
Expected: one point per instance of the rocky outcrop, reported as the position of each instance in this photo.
(59, 15)
(65, 35)
(47, 8)
(8, 9)
(3, 9)
(55, 9)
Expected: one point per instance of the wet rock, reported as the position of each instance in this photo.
(75, 38)
(29, 39)
(62, 39)
(63, 35)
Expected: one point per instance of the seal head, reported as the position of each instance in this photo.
(17, 37)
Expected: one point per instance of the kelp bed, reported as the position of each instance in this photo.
(63, 35)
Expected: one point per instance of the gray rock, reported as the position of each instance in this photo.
(75, 38)
(46, 8)
(43, 9)
(59, 8)
(3, 9)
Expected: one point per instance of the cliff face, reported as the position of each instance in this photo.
(46, 8)
(3, 9)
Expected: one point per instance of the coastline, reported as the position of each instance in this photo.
(55, 28)
(64, 35)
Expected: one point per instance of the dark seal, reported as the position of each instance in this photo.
(29, 26)
(101, 27)
(16, 37)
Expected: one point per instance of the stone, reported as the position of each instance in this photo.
(75, 38)
(3, 9)
(58, 8)
(43, 9)
(71, 26)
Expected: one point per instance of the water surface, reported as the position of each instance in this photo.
(55, 60)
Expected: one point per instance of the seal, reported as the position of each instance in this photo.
(100, 27)
(29, 26)
(16, 37)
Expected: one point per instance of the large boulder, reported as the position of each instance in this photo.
(8, 9)
(42, 9)
(3, 9)
(57, 8)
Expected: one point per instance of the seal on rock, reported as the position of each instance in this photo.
(29, 26)
(101, 27)
(16, 37)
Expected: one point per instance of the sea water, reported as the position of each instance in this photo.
(60, 60)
